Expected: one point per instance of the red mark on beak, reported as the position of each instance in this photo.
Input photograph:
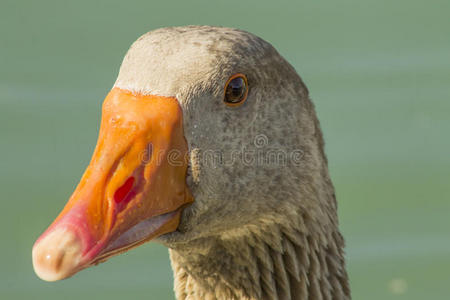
(122, 196)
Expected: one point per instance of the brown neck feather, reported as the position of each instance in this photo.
(275, 262)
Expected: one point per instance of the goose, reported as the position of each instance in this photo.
(208, 144)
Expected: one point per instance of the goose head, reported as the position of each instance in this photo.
(208, 134)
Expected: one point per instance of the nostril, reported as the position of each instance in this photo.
(122, 192)
(133, 185)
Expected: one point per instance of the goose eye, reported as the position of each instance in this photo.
(236, 90)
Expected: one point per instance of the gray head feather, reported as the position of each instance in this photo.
(259, 175)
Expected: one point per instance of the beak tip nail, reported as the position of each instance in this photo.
(57, 255)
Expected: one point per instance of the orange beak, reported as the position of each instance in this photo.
(132, 191)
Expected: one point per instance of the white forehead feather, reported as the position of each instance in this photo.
(165, 61)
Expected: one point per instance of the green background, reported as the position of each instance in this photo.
(378, 71)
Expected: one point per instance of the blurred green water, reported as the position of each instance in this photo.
(378, 71)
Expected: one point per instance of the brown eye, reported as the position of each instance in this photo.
(236, 90)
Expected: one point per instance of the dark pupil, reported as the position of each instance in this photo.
(235, 90)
